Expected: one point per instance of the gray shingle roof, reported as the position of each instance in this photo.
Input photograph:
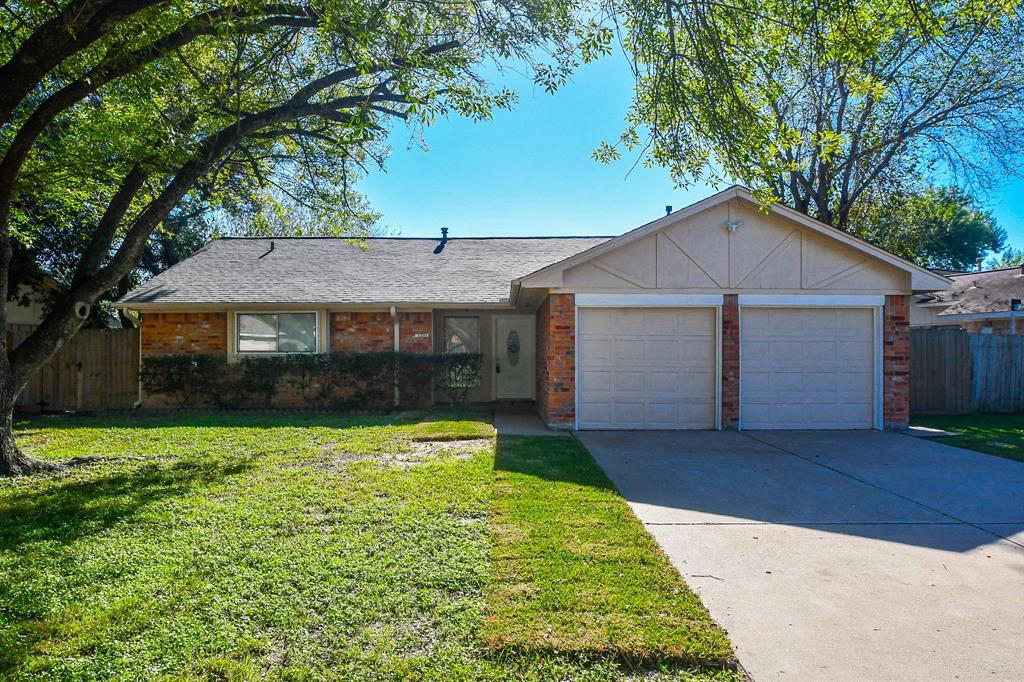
(335, 271)
(980, 292)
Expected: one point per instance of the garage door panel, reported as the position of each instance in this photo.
(597, 352)
(659, 373)
(804, 368)
(663, 350)
(628, 382)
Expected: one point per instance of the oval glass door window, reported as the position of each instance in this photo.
(513, 348)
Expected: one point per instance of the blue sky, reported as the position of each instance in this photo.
(529, 171)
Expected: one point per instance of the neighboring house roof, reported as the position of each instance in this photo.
(921, 279)
(975, 293)
(323, 270)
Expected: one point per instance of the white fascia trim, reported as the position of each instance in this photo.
(647, 300)
(997, 315)
(811, 300)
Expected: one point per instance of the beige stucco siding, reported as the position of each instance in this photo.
(767, 252)
(926, 316)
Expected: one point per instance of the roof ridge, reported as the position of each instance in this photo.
(431, 239)
(985, 272)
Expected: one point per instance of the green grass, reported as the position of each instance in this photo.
(996, 434)
(575, 570)
(307, 547)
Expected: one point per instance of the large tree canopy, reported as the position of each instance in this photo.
(822, 104)
(116, 114)
(938, 228)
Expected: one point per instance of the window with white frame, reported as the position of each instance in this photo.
(276, 332)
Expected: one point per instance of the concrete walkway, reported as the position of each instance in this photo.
(838, 555)
(518, 422)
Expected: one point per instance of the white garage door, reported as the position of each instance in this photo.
(806, 368)
(646, 368)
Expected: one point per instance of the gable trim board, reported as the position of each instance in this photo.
(862, 256)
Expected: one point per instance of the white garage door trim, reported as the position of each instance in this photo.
(875, 303)
(811, 300)
(650, 301)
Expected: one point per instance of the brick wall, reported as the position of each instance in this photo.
(415, 332)
(362, 331)
(896, 362)
(556, 360)
(181, 334)
(998, 326)
(359, 331)
(731, 362)
(184, 334)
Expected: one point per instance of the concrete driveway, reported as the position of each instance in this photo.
(838, 555)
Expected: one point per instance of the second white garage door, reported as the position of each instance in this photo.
(648, 368)
(806, 368)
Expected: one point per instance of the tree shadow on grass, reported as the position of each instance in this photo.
(76, 508)
(31, 424)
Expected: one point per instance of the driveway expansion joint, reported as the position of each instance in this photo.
(884, 489)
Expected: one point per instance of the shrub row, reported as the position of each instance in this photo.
(338, 380)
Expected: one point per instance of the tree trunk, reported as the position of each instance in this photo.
(13, 462)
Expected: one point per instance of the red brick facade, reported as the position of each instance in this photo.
(556, 360)
(361, 332)
(184, 334)
(415, 332)
(896, 362)
(353, 332)
(995, 326)
(731, 362)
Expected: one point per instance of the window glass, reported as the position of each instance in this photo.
(296, 332)
(257, 333)
(277, 332)
(462, 334)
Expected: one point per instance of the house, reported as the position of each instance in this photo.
(719, 315)
(978, 302)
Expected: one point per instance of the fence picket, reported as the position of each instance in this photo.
(954, 372)
(97, 369)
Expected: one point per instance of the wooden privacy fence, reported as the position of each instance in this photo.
(954, 372)
(98, 369)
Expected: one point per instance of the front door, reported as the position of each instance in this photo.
(514, 366)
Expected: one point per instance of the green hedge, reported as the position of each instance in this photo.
(339, 380)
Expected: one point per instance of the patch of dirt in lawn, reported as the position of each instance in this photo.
(409, 454)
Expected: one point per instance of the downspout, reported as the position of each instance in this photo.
(394, 325)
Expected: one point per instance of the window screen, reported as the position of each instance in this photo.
(276, 332)
(462, 334)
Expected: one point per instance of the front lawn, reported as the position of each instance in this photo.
(996, 434)
(318, 547)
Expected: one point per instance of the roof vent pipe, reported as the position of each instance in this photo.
(978, 263)
(444, 240)
(668, 210)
